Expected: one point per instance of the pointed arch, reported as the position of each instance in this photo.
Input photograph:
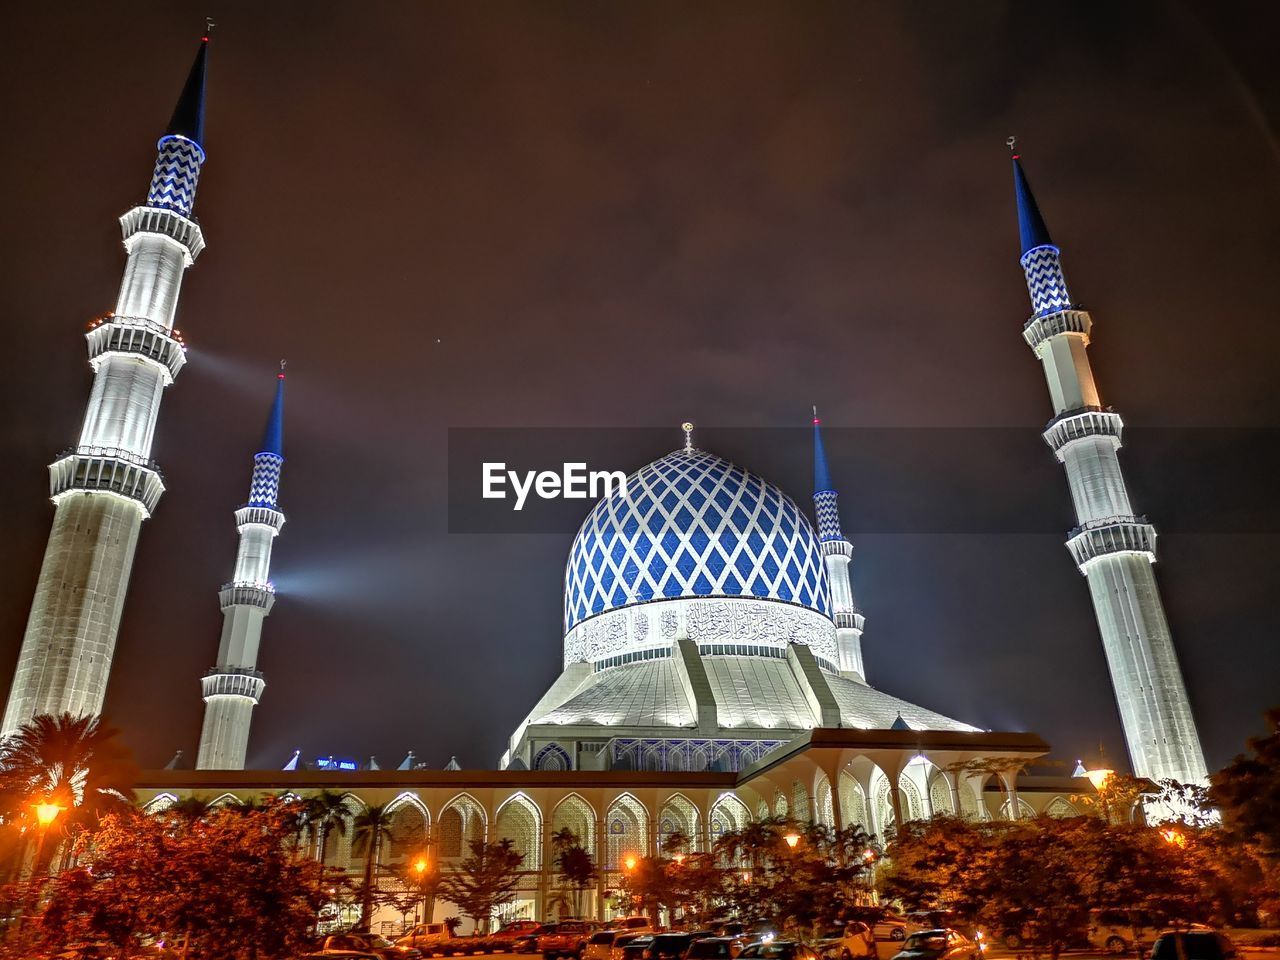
(678, 814)
(853, 802)
(728, 814)
(1061, 807)
(410, 821)
(627, 826)
(762, 809)
(338, 848)
(780, 806)
(800, 809)
(573, 813)
(940, 796)
(520, 820)
(461, 821)
(1025, 812)
(823, 806)
(225, 800)
(160, 803)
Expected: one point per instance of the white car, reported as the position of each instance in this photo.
(425, 935)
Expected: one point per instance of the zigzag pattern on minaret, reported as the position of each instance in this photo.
(264, 489)
(177, 173)
(827, 512)
(1045, 281)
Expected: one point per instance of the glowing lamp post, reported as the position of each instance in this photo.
(420, 867)
(1099, 778)
(629, 863)
(792, 839)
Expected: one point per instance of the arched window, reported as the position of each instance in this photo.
(853, 802)
(824, 809)
(520, 821)
(575, 815)
(678, 814)
(408, 828)
(461, 822)
(627, 826)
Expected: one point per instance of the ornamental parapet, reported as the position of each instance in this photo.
(1039, 329)
(232, 682)
(136, 337)
(242, 594)
(1082, 424)
(1104, 537)
(111, 470)
(836, 548)
(166, 223)
(263, 515)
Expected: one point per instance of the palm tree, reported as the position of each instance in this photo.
(75, 762)
(370, 829)
(325, 813)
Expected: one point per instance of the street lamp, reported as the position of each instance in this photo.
(1099, 777)
(792, 839)
(46, 812)
(679, 858)
(629, 862)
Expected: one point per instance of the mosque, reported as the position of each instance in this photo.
(713, 668)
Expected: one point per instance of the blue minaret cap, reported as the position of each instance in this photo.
(1031, 226)
(273, 438)
(821, 475)
(188, 115)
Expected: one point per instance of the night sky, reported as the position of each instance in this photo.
(626, 215)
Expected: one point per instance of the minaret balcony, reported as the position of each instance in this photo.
(166, 223)
(1039, 329)
(262, 515)
(1082, 425)
(836, 548)
(850, 620)
(109, 470)
(136, 337)
(243, 594)
(1107, 536)
(232, 682)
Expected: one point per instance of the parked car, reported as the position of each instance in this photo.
(620, 942)
(600, 946)
(425, 935)
(945, 920)
(672, 945)
(939, 945)
(636, 924)
(340, 955)
(715, 948)
(635, 949)
(1119, 931)
(1196, 944)
(528, 942)
(515, 930)
(568, 939)
(885, 924)
(369, 943)
(778, 950)
(854, 941)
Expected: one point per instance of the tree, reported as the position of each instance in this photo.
(574, 863)
(75, 762)
(322, 815)
(485, 880)
(369, 830)
(228, 885)
(1247, 792)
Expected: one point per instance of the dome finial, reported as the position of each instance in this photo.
(687, 427)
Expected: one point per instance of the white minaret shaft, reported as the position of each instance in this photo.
(1114, 548)
(233, 688)
(837, 552)
(105, 486)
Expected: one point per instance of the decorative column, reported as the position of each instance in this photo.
(233, 688)
(107, 484)
(1113, 547)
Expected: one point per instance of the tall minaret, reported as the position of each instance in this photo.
(233, 688)
(837, 551)
(105, 486)
(1113, 548)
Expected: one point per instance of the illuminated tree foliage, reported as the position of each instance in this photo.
(228, 884)
(484, 880)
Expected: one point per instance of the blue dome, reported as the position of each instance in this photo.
(693, 525)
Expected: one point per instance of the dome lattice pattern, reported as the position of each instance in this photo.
(693, 525)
